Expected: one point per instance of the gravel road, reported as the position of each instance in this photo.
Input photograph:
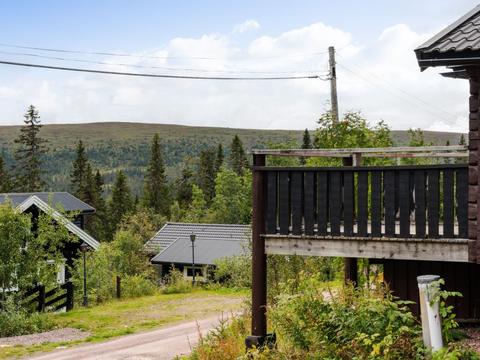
(162, 344)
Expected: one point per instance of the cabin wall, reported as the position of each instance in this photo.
(473, 162)
(401, 277)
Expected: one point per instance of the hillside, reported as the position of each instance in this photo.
(114, 146)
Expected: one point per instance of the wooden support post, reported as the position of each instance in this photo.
(41, 298)
(259, 259)
(350, 264)
(70, 295)
(118, 284)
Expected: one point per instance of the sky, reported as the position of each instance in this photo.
(374, 40)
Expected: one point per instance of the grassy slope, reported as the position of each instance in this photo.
(128, 316)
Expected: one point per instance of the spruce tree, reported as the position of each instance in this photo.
(5, 181)
(121, 202)
(238, 160)
(206, 174)
(183, 187)
(28, 154)
(79, 175)
(219, 158)
(462, 140)
(306, 144)
(156, 191)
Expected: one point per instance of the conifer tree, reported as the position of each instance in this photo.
(462, 140)
(183, 186)
(206, 174)
(79, 175)
(219, 158)
(28, 154)
(306, 144)
(238, 160)
(121, 202)
(156, 191)
(5, 181)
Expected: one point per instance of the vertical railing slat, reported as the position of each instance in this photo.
(433, 204)
(376, 194)
(462, 202)
(296, 187)
(271, 206)
(348, 202)
(322, 203)
(362, 201)
(448, 203)
(420, 224)
(335, 201)
(283, 202)
(309, 202)
(404, 202)
(389, 202)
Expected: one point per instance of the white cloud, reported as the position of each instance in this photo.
(246, 26)
(382, 79)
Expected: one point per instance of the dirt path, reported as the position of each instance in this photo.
(163, 344)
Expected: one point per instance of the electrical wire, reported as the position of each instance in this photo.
(105, 53)
(387, 89)
(160, 67)
(167, 76)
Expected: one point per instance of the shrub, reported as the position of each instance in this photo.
(234, 271)
(136, 286)
(175, 283)
(363, 324)
(17, 321)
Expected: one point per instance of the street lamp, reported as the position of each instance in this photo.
(84, 248)
(192, 239)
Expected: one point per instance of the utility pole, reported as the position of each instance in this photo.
(333, 83)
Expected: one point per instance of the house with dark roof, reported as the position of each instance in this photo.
(56, 204)
(173, 246)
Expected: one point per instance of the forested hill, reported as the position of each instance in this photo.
(114, 145)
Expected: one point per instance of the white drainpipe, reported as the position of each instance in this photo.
(431, 321)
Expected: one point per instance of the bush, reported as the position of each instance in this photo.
(175, 283)
(361, 324)
(136, 286)
(16, 321)
(234, 271)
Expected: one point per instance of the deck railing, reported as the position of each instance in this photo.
(390, 201)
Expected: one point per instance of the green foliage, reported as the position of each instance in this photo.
(175, 283)
(16, 321)
(79, 174)
(128, 257)
(183, 186)
(352, 324)
(232, 203)
(219, 158)
(238, 160)
(283, 160)
(5, 180)
(136, 286)
(156, 193)
(143, 222)
(455, 352)
(121, 202)
(352, 132)
(198, 207)
(28, 154)
(234, 271)
(206, 174)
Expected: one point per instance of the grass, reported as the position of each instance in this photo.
(117, 318)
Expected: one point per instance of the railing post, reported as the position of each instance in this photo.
(351, 264)
(259, 259)
(118, 283)
(41, 298)
(69, 286)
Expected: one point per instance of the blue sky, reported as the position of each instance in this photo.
(378, 37)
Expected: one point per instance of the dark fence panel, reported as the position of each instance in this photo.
(396, 201)
(56, 298)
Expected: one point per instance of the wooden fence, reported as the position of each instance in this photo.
(57, 298)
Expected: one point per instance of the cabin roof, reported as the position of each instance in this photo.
(456, 45)
(63, 200)
(213, 241)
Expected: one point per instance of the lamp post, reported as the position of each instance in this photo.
(192, 239)
(84, 248)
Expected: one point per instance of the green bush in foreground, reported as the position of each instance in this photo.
(17, 321)
(136, 286)
(175, 283)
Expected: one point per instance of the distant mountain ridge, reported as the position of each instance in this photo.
(122, 145)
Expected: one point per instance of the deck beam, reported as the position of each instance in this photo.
(452, 250)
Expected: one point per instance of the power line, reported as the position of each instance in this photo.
(167, 76)
(105, 53)
(158, 67)
(394, 94)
